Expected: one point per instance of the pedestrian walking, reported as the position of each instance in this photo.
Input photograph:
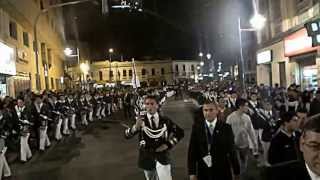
(212, 153)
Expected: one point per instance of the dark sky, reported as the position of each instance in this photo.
(179, 29)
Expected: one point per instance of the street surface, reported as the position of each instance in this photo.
(101, 152)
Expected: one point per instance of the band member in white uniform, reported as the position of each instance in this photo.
(23, 116)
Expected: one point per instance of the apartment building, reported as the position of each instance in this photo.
(18, 67)
(285, 54)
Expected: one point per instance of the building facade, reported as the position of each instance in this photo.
(18, 65)
(185, 70)
(285, 53)
(149, 73)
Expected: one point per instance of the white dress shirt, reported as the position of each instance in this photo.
(211, 124)
(312, 174)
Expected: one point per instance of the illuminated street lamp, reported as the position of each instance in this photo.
(209, 56)
(84, 68)
(257, 21)
(67, 51)
(200, 54)
(201, 63)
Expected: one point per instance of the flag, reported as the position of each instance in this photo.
(135, 80)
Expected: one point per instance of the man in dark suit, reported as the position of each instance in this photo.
(157, 135)
(211, 154)
(307, 168)
(310, 148)
(40, 114)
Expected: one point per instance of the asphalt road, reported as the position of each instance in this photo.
(101, 152)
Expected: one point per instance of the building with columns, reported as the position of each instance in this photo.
(18, 65)
(285, 54)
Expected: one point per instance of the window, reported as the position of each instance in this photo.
(124, 72)
(43, 53)
(49, 56)
(13, 30)
(41, 5)
(192, 68)
(153, 72)
(184, 68)
(177, 68)
(52, 83)
(143, 72)
(100, 76)
(111, 73)
(162, 71)
(26, 39)
(130, 72)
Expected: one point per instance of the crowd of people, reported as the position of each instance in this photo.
(267, 123)
(30, 122)
(278, 127)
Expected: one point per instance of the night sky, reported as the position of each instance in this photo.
(177, 29)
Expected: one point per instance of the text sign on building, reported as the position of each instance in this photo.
(264, 57)
(7, 60)
(298, 43)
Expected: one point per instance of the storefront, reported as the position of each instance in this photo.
(264, 67)
(7, 68)
(303, 59)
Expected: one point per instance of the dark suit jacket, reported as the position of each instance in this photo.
(223, 152)
(292, 171)
(147, 155)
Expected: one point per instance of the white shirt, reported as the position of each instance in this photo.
(212, 124)
(156, 119)
(312, 174)
(242, 129)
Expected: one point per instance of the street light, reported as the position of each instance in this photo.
(257, 22)
(200, 54)
(201, 63)
(209, 56)
(68, 52)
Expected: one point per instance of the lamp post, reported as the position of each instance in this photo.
(110, 59)
(68, 52)
(35, 34)
(257, 22)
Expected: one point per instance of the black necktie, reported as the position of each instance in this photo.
(153, 124)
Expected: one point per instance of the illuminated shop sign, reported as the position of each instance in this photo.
(298, 43)
(264, 57)
(7, 60)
